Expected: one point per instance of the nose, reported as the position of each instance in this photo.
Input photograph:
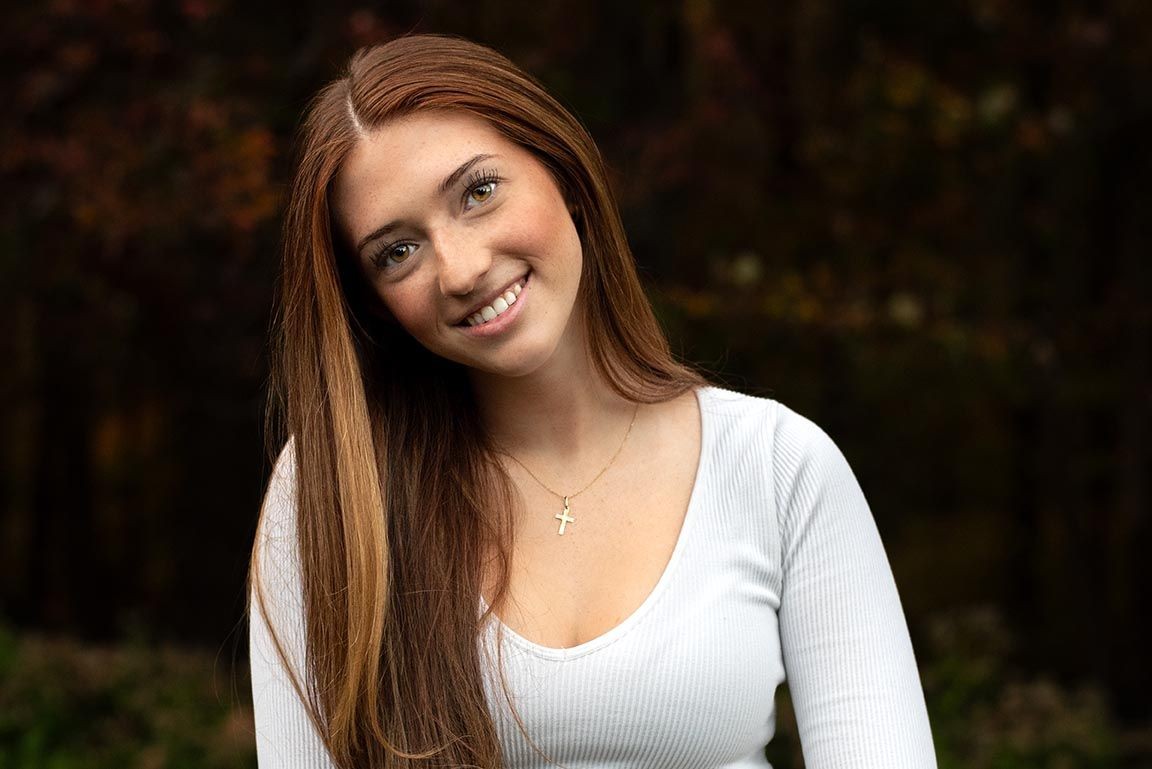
(461, 261)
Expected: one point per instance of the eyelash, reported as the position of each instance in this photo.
(476, 179)
(479, 178)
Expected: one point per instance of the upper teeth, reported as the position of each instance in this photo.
(502, 303)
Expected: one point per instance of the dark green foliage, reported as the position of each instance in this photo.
(66, 705)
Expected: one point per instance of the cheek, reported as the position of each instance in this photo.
(409, 308)
(541, 226)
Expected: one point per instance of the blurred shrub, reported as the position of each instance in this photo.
(986, 716)
(65, 705)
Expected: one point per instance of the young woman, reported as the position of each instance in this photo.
(507, 527)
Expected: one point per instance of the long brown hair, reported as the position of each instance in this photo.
(388, 450)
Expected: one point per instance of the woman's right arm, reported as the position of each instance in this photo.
(285, 736)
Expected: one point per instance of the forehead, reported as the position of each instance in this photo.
(409, 153)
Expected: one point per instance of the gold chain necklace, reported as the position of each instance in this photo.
(563, 516)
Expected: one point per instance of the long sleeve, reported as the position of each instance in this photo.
(285, 737)
(847, 652)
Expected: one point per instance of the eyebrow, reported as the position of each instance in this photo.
(445, 185)
(454, 177)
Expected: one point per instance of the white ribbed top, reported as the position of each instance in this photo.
(779, 574)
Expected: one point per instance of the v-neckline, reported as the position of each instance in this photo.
(617, 631)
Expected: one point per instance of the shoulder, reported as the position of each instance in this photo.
(735, 417)
(284, 469)
(770, 438)
(739, 417)
(282, 480)
(276, 530)
(774, 470)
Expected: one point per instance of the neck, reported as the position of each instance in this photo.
(563, 415)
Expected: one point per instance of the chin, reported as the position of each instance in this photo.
(511, 369)
(526, 359)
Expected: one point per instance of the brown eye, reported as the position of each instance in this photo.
(391, 256)
(480, 188)
(482, 192)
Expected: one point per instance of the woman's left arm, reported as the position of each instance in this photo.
(847, 652)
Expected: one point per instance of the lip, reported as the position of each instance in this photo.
(502, 321)
(463, 320)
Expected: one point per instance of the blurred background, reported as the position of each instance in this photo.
(926, 226)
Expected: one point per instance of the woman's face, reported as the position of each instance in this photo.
(444, 216)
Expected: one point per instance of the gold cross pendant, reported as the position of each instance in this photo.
(563, 517)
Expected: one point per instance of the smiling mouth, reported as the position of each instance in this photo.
(477, 318)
